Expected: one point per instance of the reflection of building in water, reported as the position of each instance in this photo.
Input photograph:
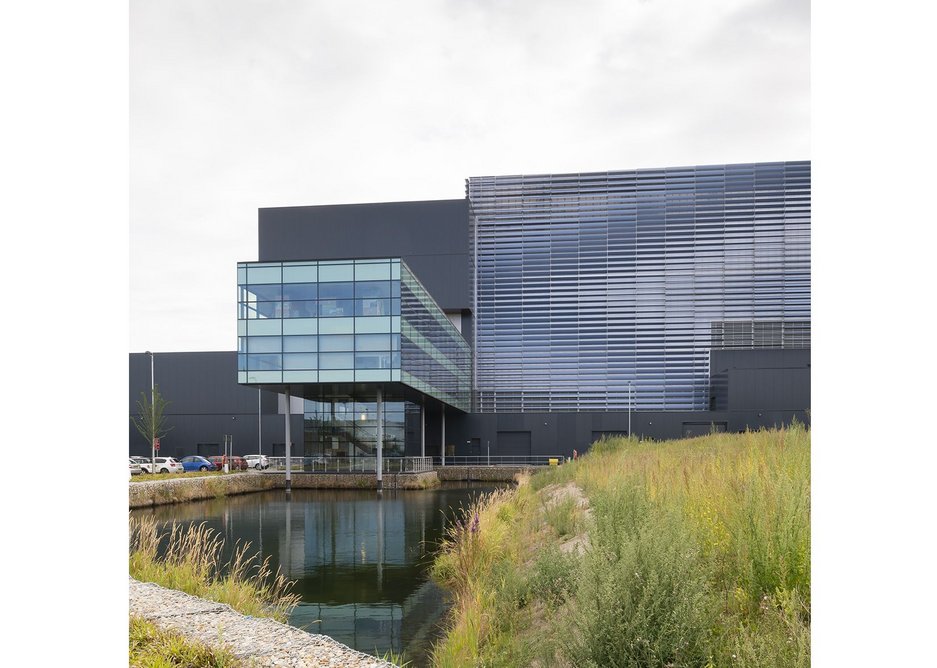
(381, 627)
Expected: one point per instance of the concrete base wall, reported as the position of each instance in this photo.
(160, 492)
(483, 473)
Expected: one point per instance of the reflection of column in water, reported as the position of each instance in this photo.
(380, 543)
(289, 550)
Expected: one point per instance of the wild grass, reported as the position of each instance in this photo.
(699, 555)
(147, 477)
(151, 647)
(189, 558)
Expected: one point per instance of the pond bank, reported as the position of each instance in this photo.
(160, 492)
(146, 494)
(257, 641)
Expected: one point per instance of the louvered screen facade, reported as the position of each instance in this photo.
(589, 285)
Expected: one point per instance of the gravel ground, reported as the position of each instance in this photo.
(256, 641)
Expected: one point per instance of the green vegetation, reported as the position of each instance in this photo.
(147, 477)
(151, 647)
(191, 562)
(150, 419)
(684, 553)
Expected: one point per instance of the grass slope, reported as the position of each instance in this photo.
(697, 553)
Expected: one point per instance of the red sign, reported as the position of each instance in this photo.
(156, 443)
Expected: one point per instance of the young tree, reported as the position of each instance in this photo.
(150, 420)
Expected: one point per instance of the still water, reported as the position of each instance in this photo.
(360, 562)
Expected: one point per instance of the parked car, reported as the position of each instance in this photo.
(258, 462)
(164, 465)
(235, 463)
(143, 463)
(135, 468)
(197, 463)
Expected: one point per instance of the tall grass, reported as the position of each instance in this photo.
(152, 647)
(189, 558)
(699, 556)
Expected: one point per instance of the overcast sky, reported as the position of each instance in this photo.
(238, 104)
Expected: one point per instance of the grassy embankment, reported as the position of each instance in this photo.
(191, 562)
(152, 647)
(147, 477)
(683, 553)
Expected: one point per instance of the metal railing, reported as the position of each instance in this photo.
(499, 460)
(352, 464)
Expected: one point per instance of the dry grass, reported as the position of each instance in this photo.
(190, 559)
(699, 555)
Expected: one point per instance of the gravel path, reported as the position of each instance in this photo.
(256, 641)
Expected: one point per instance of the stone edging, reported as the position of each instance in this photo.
(256, 641)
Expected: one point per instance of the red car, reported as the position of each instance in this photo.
(235, 463)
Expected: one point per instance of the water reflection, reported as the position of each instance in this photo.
(360, 561)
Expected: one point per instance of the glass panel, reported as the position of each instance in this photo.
(301, 344)
(337, 291)
(373, 342)
(300, 377)
(264, 377)
(336, 308)
(335, 342)
(242, 328)
(372, 289)
(374, 360)
(373, 325)
(372, 271)
(299, 361)
(303, 326)
(366, 307)
(337, 326)
(261, 293)
(262, 327)
(263, 274)
(372, 375)
(242, 344)
(242, 362)
(330, 273)
(263, 362)
(306, 309)
(263, 344)
(299, 291)
(395, 270)
(242, 274)
(301, 274)
(346, 376)
(336, 361)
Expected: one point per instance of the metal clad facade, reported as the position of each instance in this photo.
(591, 289)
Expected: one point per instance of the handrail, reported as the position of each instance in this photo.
(352, 464)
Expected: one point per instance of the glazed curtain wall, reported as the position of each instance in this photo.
(589, 285)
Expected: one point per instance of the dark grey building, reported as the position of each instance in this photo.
(532, 317)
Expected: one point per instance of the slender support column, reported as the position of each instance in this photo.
(288, 461)
(423, 428)
(380, 441)
(442, 446)
(260, 446)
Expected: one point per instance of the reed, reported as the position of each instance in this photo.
(189, 558)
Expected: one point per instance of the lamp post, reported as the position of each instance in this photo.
(233, 425)
(152, 418)
(630, 401)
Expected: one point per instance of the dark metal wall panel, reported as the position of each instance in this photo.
(430, 236)
(761, 379)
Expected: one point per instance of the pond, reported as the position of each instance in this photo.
(360, 561)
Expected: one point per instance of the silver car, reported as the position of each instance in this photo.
(258, 462)
(135, 468)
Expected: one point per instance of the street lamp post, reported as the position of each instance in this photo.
(233, 425)
(152, 417)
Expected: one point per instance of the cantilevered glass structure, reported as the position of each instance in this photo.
(600, 291)
(334, 332)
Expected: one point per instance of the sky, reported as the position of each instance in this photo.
(237, 105)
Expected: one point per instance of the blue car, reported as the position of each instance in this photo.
(196, 463)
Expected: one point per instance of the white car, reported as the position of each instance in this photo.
(163, 465)
(258, 462)
(135, 467)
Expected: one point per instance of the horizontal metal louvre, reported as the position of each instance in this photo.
(588, 283)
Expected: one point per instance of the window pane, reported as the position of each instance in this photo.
(263, 362)
(263, 274)
(372, 360)
(299, 291)
(371, 289)
(372, 342)
(337, 291)
(304, 309)
(369, 271)
(301, 274)
(301, 344)
(336, 361)
(336, 308)
(335, 342)
(299, 361)
(263, 344)
(372, 307)
(335, 272)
